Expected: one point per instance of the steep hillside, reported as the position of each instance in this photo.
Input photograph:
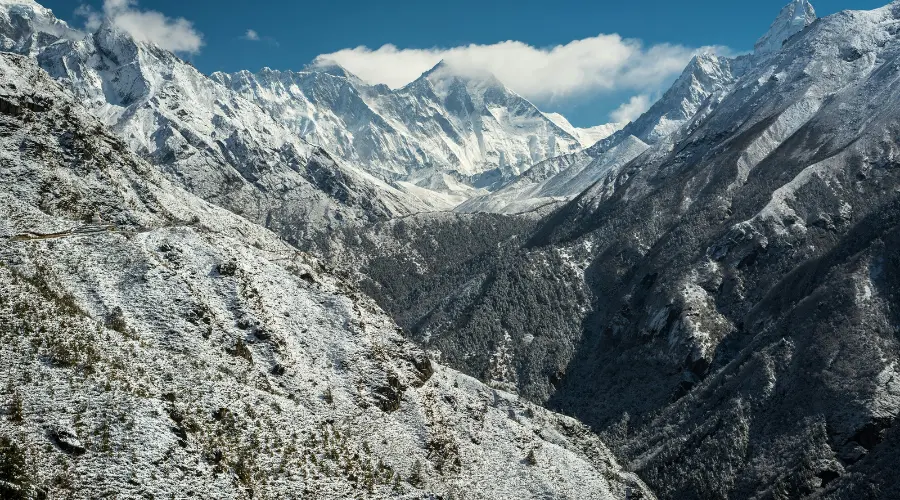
(760, 299)
(156, 345)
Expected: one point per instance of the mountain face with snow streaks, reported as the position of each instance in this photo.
(705, 80)
(470, 127)
(793, 19)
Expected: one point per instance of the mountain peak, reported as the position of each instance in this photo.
(329, 67)
(26, 3)
(27, 27)
(115, 43)
(792, 19)
(444, 70)
(437, 68)
(335, 69)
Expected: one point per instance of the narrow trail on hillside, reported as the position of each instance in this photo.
(88, 230)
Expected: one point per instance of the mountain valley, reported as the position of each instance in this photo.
(296, 284)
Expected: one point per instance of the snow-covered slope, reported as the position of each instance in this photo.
(155, 345)
(556, 180)
(443, 123)
(706, 76)
(586, 136)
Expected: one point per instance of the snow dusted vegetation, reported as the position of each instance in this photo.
(299, 285)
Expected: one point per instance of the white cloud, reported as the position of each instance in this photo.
(631, 110)
(254, 36)
(175, 34)
(604, 63)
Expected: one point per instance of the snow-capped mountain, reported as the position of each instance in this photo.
(707, 75)
(26, 27)
(704, 81)
(441, 140)
(154, 344)
(472, 128)
(793, 19)
(202, 135)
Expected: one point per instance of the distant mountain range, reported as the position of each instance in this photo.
(456, 135)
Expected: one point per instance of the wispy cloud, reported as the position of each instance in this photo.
(591, 66)
(252, 35)
(175, 34)
(631, 110)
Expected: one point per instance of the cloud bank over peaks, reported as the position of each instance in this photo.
(601, 64)
(174, 34)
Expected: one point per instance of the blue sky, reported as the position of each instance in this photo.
(290, 34)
